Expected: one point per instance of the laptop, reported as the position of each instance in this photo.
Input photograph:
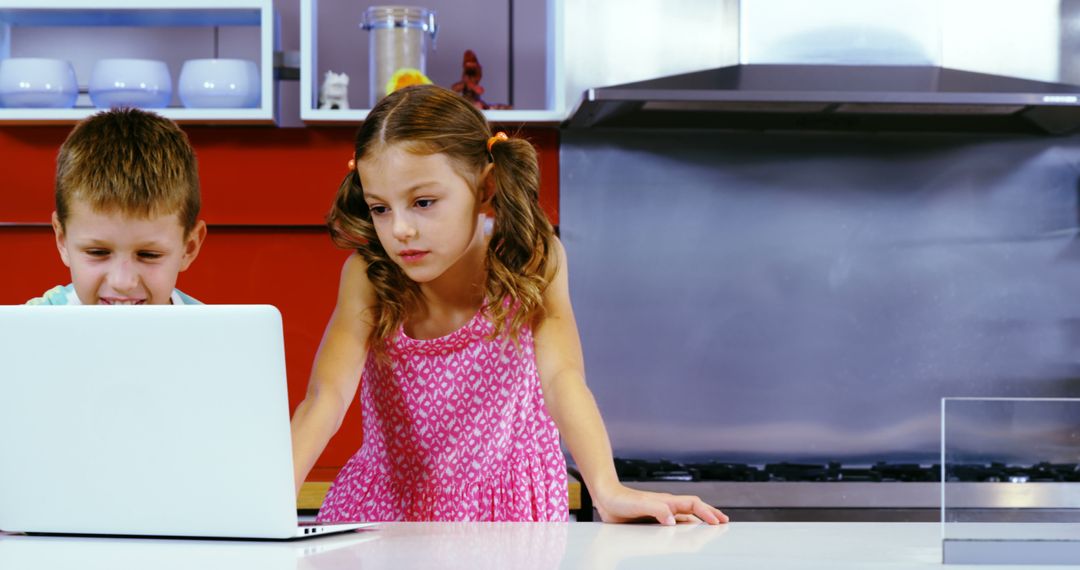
(147, 421)
(109, 553)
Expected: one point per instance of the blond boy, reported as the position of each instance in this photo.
(127, 207)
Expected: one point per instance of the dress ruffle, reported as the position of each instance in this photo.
(362, 492)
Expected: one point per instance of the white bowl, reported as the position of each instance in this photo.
(210, 83)
(130, 83)
(37, 82)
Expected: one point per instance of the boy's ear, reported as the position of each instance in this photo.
(193, 244)
(61, 239)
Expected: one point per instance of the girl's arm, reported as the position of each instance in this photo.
(571, 405)
(335, 376)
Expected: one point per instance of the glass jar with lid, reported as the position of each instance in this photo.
(399, 37)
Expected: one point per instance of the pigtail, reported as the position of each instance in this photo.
(349, 222)
(349, 219)
(519, 255)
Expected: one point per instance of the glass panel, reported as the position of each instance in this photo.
(1010, 480)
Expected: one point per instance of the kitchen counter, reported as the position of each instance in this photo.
(538, 546)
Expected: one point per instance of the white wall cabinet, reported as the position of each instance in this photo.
(519, 45)
(84, 31)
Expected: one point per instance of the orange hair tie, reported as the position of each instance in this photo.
(499, 136)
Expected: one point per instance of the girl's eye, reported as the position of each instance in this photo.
(378, 210)
(424, 203)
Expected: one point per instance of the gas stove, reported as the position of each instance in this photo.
(834, 471)
(835, 490)
(663, 470)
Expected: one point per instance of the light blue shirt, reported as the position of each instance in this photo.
(65, 295)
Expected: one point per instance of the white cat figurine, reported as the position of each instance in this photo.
(334, 93)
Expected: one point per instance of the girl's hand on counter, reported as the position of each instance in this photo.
(622, 504)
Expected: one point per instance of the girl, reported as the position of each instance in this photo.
(463, 344)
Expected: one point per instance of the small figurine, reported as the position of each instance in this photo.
(469, 86)
(334, 93)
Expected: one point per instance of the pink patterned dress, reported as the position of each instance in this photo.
(455, 429)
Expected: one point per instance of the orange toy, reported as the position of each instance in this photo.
(405, 77)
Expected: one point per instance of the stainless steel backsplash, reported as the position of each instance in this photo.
(761, 296)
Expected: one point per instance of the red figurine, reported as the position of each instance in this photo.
(469, 86)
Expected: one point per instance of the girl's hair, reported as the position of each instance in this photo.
(428, 119)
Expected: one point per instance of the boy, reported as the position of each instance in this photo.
(127, 206)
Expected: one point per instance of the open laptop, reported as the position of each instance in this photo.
(147, 421)
(109, 553)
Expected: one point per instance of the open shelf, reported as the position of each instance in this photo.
(83, 31)
(518, 55)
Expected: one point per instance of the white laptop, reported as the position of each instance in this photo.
(108, 553)
(147, 421)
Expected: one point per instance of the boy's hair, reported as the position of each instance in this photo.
(131, 161)
(428, 119)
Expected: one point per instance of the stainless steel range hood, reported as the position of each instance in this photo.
(835, 97)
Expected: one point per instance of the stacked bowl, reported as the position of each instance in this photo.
(37, 82)
(226, 83)
(130, 82)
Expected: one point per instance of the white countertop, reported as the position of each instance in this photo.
(504, 546)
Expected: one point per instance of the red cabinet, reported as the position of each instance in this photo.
(265, 192)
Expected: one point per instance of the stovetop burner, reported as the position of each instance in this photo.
(1044, 472)
(665, 470)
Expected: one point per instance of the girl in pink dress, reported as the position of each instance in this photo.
(458, 335)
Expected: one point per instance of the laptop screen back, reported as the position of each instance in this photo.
(151, 420)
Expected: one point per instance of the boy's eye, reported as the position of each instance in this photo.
(149, 255)
(424, 202)
(97, 252)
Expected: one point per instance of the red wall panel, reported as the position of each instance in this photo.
(28, 163)
(265, 192)
(249, 175)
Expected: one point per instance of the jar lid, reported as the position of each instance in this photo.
(399, 17)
